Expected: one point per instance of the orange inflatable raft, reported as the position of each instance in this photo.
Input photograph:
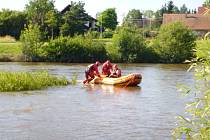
(129, 80)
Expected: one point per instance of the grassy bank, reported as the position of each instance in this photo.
(22, 81)
(10, 51)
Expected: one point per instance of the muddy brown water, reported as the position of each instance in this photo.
(95, 112)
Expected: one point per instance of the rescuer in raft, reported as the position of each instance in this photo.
(91, 71)
(116, 72)
(107, 68)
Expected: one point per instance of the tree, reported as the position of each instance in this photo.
(133, 18)
(39, 12)
(73, 20)
(51, 21)
(108, 19)
(176, 43)
(148, 14)
(183, 9)
(12, 22)
(206, 3)
(170, 7)
(176, 10)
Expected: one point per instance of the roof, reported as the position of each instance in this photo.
(204, 10)
(68, 7)
(193, 21)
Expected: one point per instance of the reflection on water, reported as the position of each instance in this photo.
(109, 89)
(87, 112)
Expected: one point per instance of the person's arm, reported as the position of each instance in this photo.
(118, 72)
(97, 72)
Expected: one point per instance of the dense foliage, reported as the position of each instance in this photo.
(175, 43)
(31, 39)
(196, 124)
(44, 14)
(108, 19)
(74, 49)
(133, 18)
(11, 23)
(74, 20)
(206, 3)
(21, 81)
(131, 45)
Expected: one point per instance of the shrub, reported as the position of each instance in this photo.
(176, 43)
(31, 39)
(97, 51)
(74, 49)
(130, 44)
(108, 34)
(113, 53)
(92, 34)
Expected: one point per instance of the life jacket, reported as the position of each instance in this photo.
(115, 72)
(106, 69)
(91, 67)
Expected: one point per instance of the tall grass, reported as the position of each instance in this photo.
(22, 81)
(7, 39)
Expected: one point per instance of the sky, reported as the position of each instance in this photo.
(92, 7)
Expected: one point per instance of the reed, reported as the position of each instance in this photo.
(22, 81)
(7, 39)
(73, 80)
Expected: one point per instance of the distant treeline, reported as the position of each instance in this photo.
(71, 22)
(50, 35)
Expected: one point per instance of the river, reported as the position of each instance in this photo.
(95, 112)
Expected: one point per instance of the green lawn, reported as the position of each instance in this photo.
(10, 51)
(104, 40)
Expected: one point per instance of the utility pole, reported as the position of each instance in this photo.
(101, 26)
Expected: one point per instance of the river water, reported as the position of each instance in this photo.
(94, 112)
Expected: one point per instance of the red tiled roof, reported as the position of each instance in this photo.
(204, 10)
(193, 21)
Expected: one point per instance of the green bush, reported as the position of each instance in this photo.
(92, 34)
(31, 39)
(176, 43)
(113, 53)
(130, 43)
(74, 49)
(108, 34)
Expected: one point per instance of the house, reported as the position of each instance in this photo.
(204, 10)
(89, 24)
(196, 22)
